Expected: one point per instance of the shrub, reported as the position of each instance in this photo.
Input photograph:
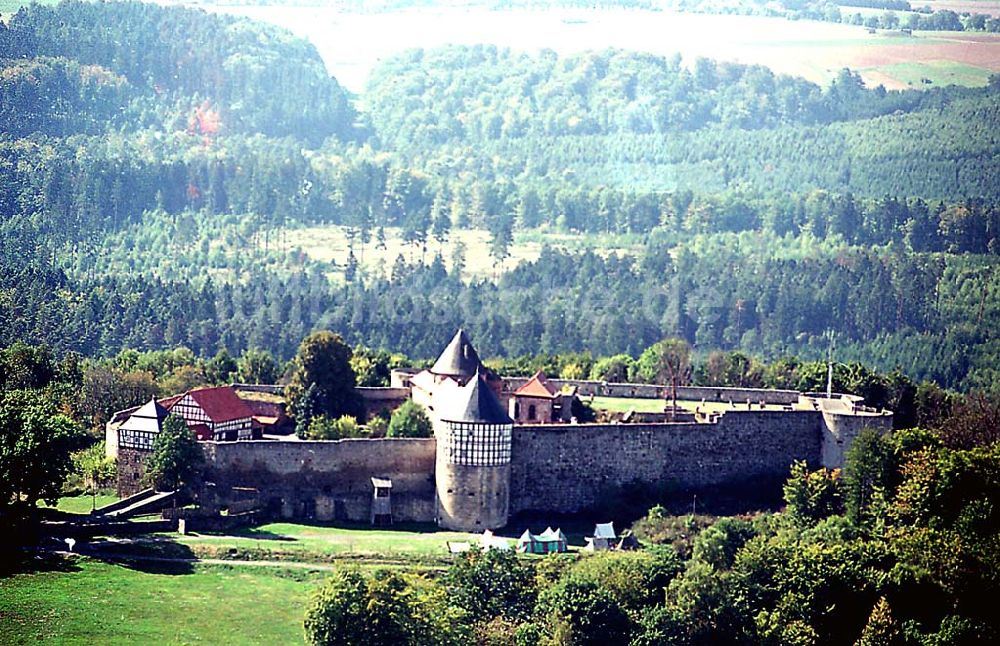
(409, 420)
(324, 428)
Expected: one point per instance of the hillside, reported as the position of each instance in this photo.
(172, 191)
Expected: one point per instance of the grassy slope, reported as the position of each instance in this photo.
(82, 504)
(111, 604)
(293, 542)
(87, 601)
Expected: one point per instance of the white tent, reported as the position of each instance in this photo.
(491, 542)
(603, 538)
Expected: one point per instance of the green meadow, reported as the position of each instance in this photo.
(77, 600)
(939, 73)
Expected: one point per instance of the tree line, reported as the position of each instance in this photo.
(930, 314)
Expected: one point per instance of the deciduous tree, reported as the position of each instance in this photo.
(409, 420)
(177, 459)
(322, 380)
(35, 446)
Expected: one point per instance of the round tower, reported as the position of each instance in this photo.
(472, 469)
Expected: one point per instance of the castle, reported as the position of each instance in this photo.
(503, 446)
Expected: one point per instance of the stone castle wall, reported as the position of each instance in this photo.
(328, 480)
(131, 469)
(566, 468)
(560, 468)
(839, 430)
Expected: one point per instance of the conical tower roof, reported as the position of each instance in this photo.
(474, 402)
(459, 359)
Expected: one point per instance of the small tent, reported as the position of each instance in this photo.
(628, 541)
(491, 542)
(547, 542)
(603, 538)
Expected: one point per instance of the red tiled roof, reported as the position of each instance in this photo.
(221, 404)
(537, 386)
(168, 402)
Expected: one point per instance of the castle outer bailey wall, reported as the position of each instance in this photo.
(328, 480)
(566, 468)
(840, 429)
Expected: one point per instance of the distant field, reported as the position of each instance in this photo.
(986, 7)
(938, 73)
(329, 243)
(100, 603)
(351, 44)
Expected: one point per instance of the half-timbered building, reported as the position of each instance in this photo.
(215, 414)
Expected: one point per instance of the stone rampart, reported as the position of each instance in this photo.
(566, 468)
(328, 480)
(840, 428)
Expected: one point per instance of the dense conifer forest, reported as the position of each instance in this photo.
(136, 137)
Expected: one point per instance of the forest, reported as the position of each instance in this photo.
(153, 160)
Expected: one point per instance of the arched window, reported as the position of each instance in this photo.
(531, 411)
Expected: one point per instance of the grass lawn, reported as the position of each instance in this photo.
(82, 504)
(289, 541)
(101, 603)
(625, 404)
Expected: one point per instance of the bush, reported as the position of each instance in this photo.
(382, 608)
(409, 420)
(322, 427)
(491, 584)
(634, 579)
(811, 496)
(718, 544)
(584, 613)
(377, 427)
